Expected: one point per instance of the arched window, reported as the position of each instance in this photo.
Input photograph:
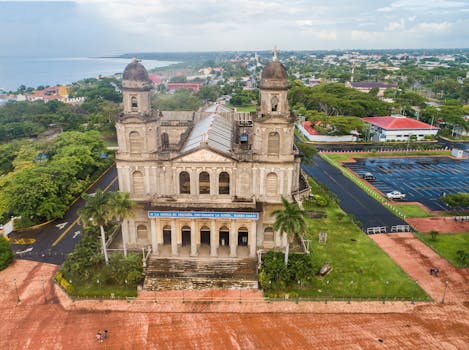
(142, 233)
(184, 182)
(268, 237)
(224, 183)
(224, 235)
(274, 103)
(138, 184)
(186, 235)
(164, 140)
(136, 142)
(204, 183)
(167, 234)
(133, 103)
(271, 185)
(243, 236)
(273, 143)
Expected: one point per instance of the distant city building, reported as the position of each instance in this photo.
(195, 87)
(398, 128)
(366, 86)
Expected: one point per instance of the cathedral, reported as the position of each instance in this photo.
(205, 183)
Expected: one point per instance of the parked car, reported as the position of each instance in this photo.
(395, 195)
(368, 177)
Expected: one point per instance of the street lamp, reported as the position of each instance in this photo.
(44, 290)
(350, 297)
(415, 292)
(327, 289)
(444, 293)
(385, 291)
(17, 294)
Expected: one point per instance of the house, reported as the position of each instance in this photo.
(366, 86)
(399, 128)
(195, 87)
(313, 135)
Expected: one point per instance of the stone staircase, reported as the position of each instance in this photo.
(200, 273)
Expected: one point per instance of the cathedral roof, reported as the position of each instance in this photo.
(135, 71)
(274, 75)
(214, 130)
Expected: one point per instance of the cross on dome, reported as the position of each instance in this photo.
(275, 50)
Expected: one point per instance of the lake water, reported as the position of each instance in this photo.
(16, 71)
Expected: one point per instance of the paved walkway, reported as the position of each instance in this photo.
(416, 259)
(440, 224)
(45, 318)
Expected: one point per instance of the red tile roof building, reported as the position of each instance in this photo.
(397, 128)
(190, 86)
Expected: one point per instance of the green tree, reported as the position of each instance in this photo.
(6, 254)
(290, 220)
(457, 200)
(95, 212)
(120, 208)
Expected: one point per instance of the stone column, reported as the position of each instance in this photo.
(193, 239)
(154, 236)
(253, 239)
(233, 240)
(213, 238)
(159, 232)
(174, 244)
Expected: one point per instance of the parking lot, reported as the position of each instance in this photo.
(422, 179)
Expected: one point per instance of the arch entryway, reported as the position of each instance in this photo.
(167, 234)
(186, 235)
(224, 234)
(243, 236)
(205, 235)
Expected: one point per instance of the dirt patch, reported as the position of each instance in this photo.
(440, 224)
(34, 324)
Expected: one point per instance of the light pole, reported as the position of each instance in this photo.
(44, 290)
(444, 293)
(16, 289)
(327, 289)
(385, 291)
(350, 296)
(415, 292)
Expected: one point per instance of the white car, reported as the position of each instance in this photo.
(395, 195)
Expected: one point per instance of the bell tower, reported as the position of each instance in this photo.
(273, 125)
(136, 86)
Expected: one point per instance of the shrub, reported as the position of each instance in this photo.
(6, 254)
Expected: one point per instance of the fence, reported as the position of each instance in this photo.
(384, 229)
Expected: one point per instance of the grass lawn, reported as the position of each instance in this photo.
(446, 245)
(412, 211)
(340, 157)
(249, 108)
(360, 267)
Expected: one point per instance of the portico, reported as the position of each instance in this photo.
(214, 234)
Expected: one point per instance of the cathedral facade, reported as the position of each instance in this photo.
(205, 184)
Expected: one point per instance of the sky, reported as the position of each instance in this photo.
(99, 28)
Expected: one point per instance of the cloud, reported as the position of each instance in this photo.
(434, 28)
(422, 5)
(361, 35)
(395, 26)
(412, 18)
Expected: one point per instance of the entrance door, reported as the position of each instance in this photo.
(224, 237)
(205, 235)
(186, 236)
(167, 235)
(243, 236)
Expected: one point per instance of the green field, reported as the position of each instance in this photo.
(360, 267)
(249, 108)
(412, 211)
(341, 157)
(447, 246)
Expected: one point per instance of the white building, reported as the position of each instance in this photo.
(399, 128)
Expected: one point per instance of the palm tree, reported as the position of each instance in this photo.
(290, 220)
(121, 207)
(96, 212)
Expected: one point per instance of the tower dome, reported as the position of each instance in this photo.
(274, 76)
(136, 76)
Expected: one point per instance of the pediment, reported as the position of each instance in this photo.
(204, 155)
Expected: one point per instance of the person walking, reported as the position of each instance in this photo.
(105, 334)
(99, 337)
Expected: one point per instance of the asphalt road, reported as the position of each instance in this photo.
(353, 199)
(52, 242)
